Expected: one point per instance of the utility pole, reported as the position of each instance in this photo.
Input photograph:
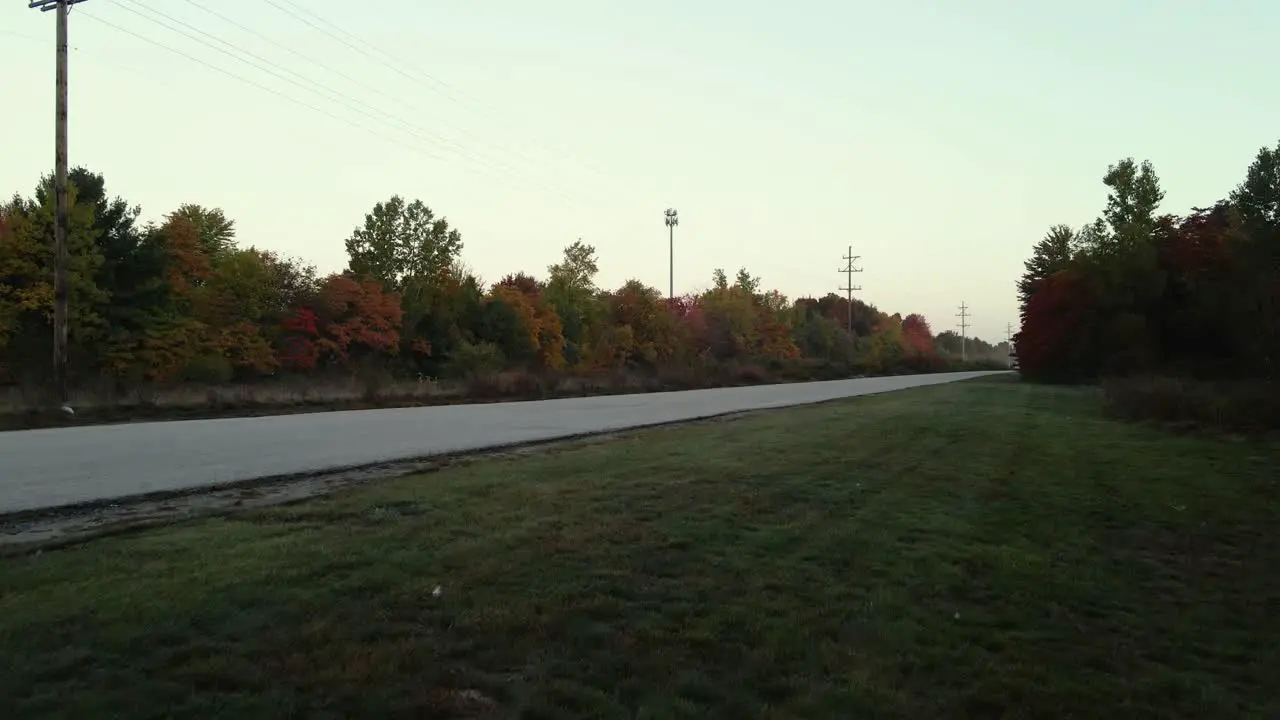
(61, 211)
(964, 332)
(672, 219)
(849, 287)
(1008, 341)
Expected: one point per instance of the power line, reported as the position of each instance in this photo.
(376, 116)
(407, 126)
(849, 287)
(357, 104)
(98, 58)
(964, 332)
(309, 59)
(332, 30)
(24, 36)
(254, 83)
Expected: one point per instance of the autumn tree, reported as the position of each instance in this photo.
(523, 283)
(1050, 255)
(1055, 343)
(357, 320)
(644, 327)
(26, 283)
(917, 335)
(522, 327)
(215, 232)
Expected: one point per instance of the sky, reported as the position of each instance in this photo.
(938, 139)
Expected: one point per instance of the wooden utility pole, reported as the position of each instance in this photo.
(964, 332)
(61, 201)
(849, 287)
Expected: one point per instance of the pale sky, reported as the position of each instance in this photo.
(939, 138)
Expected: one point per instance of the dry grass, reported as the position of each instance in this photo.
(22, 407)
(1246, 406)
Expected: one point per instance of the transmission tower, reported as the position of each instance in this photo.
(672, 219)
(849, 287)
(964, 332)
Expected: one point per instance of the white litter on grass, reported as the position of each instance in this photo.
(437, 591)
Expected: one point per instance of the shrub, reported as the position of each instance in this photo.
(1249, 406)
(209, 369)
(477, 358)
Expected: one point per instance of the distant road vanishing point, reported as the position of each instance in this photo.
(48, 468)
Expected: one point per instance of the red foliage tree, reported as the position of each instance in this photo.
(1197, 244)
(917, 334)
(524, 283)
(296, 347)
(357, 317)
(1053, 344)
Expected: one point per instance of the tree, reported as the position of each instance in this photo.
(26, 283)
(917, 335)
(357, 319)
(823, 337)
(441, 318)
(886, 347)
(1055, 342)
(131, 277)
(523, 283)
(1050, 255)
(215, 232)
(400, 241)
(525, 330)
(748, 283)
(1132, 203)
(652, 329)
(578, 269)
(1255, 259)
(571, 291)
(241, 306)
(1258, 197)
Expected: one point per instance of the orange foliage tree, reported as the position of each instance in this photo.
(523, 327)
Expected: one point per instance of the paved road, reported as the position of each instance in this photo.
(53, 467)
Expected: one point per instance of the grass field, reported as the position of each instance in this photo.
(979, 550)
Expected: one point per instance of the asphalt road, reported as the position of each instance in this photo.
(53, 467)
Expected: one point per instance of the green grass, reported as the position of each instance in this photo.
(984, 549)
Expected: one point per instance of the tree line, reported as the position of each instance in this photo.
(1137, 292)
(183, 300)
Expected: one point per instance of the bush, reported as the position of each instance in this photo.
(480, 358)
(209, 370)
(1249, 406)
(510, 384)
